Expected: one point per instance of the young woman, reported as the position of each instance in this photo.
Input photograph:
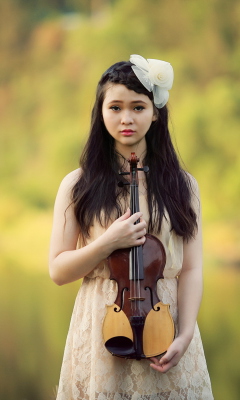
(92, 219)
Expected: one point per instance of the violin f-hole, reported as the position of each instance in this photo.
(122, 300)
(151, 296)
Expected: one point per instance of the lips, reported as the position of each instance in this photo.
(127, 132)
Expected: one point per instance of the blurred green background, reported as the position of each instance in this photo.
(52, 54)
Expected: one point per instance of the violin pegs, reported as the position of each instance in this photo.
(121, 184)
(145, 169)
(124, 173)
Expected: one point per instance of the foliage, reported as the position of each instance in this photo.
(52, 54)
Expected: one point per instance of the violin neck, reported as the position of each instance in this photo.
(134, 199)
(136, 271)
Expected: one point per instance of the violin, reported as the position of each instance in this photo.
(138, 325)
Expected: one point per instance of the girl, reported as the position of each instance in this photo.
(92, 219)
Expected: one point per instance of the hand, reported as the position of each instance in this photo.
(172, 356)
(123, 233)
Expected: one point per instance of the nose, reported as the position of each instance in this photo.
(126, 117)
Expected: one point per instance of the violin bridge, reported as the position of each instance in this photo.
(136, 298)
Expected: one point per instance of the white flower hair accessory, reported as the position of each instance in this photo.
(155, 75)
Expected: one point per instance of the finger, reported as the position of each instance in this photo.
(165, 363)
(125, 216)
(158, 361)
(168, 356)
(140, 241)
(134, 217)
(139, 229)
(157, 367)
(161, 368)
(156, 364)
(155, 360)
(141, 232)
(164, 360)
(168, 365)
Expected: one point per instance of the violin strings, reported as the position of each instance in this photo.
(135, 254)
(138, 258)
(132, 277)
(137, 261)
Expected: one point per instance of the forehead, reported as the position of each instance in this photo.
(118, 92)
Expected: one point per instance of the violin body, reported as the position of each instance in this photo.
(138, 336)
(138, 325)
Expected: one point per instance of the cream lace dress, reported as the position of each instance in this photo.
(90, 372)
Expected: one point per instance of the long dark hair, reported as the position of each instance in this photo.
(96, 194)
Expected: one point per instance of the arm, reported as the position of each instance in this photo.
(66, 263)
(190, 287)
(189, 300)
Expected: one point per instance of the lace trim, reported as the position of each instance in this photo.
(89, 372)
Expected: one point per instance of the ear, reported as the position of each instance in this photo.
(155, 113)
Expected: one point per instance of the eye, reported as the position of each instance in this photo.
(115, 108)
(139, 108)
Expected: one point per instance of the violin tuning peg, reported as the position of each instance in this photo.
(145, 169)
(121, 184)
(124, 173)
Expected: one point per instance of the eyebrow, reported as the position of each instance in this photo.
(132, 102)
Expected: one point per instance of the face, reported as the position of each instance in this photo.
(127, 116)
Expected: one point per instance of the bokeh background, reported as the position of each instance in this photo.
(52, 53)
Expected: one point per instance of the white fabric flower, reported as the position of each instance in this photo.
(155, 75)
(161, 73)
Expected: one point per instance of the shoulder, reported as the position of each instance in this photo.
(190, 177)
(191, 182)
(194, 193)
(67, 184)
(70, 179)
